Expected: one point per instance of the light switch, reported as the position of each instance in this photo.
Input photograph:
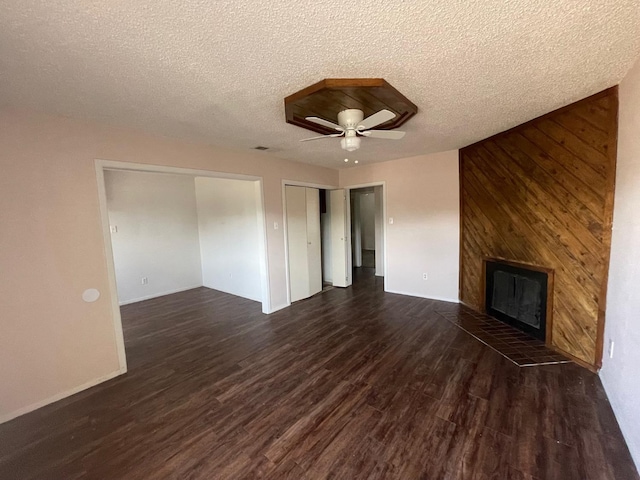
(275, 225)
(113, 228)
(390, 220)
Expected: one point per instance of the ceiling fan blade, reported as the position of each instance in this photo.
(388, 134)
(322, 136)
(325, 123)
(376, 119)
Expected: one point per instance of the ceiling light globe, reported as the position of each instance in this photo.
(350, 143)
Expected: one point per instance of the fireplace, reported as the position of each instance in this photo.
(518, 294)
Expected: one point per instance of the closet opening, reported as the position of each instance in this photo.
(316, 240)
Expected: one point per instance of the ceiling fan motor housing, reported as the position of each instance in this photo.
(353, 126)
(350, 119)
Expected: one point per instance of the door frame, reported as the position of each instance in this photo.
(294, 183)
(102, 165)
(348, 189)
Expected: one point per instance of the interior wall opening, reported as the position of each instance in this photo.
(171, 233)
(169, 230)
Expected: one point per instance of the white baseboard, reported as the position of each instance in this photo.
(59, 396)
(280, 307)
(218, 289)
(441, 299)
(156, 295)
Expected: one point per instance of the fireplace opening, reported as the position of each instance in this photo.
(517, 295)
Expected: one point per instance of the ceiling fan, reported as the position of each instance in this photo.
(352, 126)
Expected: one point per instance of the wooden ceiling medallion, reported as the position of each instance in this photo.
(330, 96)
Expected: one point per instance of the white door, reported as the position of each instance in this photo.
(314, 249)
(356, 230)
(303, 241)
(296, 202)
(339, 245)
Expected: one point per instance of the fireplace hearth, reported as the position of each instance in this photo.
(517, 294)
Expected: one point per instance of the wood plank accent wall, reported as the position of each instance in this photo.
(542, 194)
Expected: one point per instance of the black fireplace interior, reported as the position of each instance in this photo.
(517, 296)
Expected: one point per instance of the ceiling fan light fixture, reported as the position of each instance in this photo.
(319, 106)
(350, 144)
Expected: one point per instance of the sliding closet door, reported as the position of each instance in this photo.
(296, 202)
(303, 241)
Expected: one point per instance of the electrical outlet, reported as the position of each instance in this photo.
(425, 276)
(144, 281)
(611, 344)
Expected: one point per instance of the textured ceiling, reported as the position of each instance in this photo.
(217, 71)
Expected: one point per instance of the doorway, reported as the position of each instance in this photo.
(367, 231)
(316, 239)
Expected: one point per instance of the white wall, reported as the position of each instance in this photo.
(157, 233)
(229, 235)
(619, 374)
(367, 220)
(422, 198)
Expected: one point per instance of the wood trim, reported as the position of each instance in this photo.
(526, 265)
(573, 358)
(294, 97)
(608, 223)
(609, 91)
(483, 286)
(550, 289)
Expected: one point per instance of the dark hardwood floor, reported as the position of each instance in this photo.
(350, 384)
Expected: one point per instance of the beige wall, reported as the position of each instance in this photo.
(620, 373)
(52, 248)
(422, 198)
